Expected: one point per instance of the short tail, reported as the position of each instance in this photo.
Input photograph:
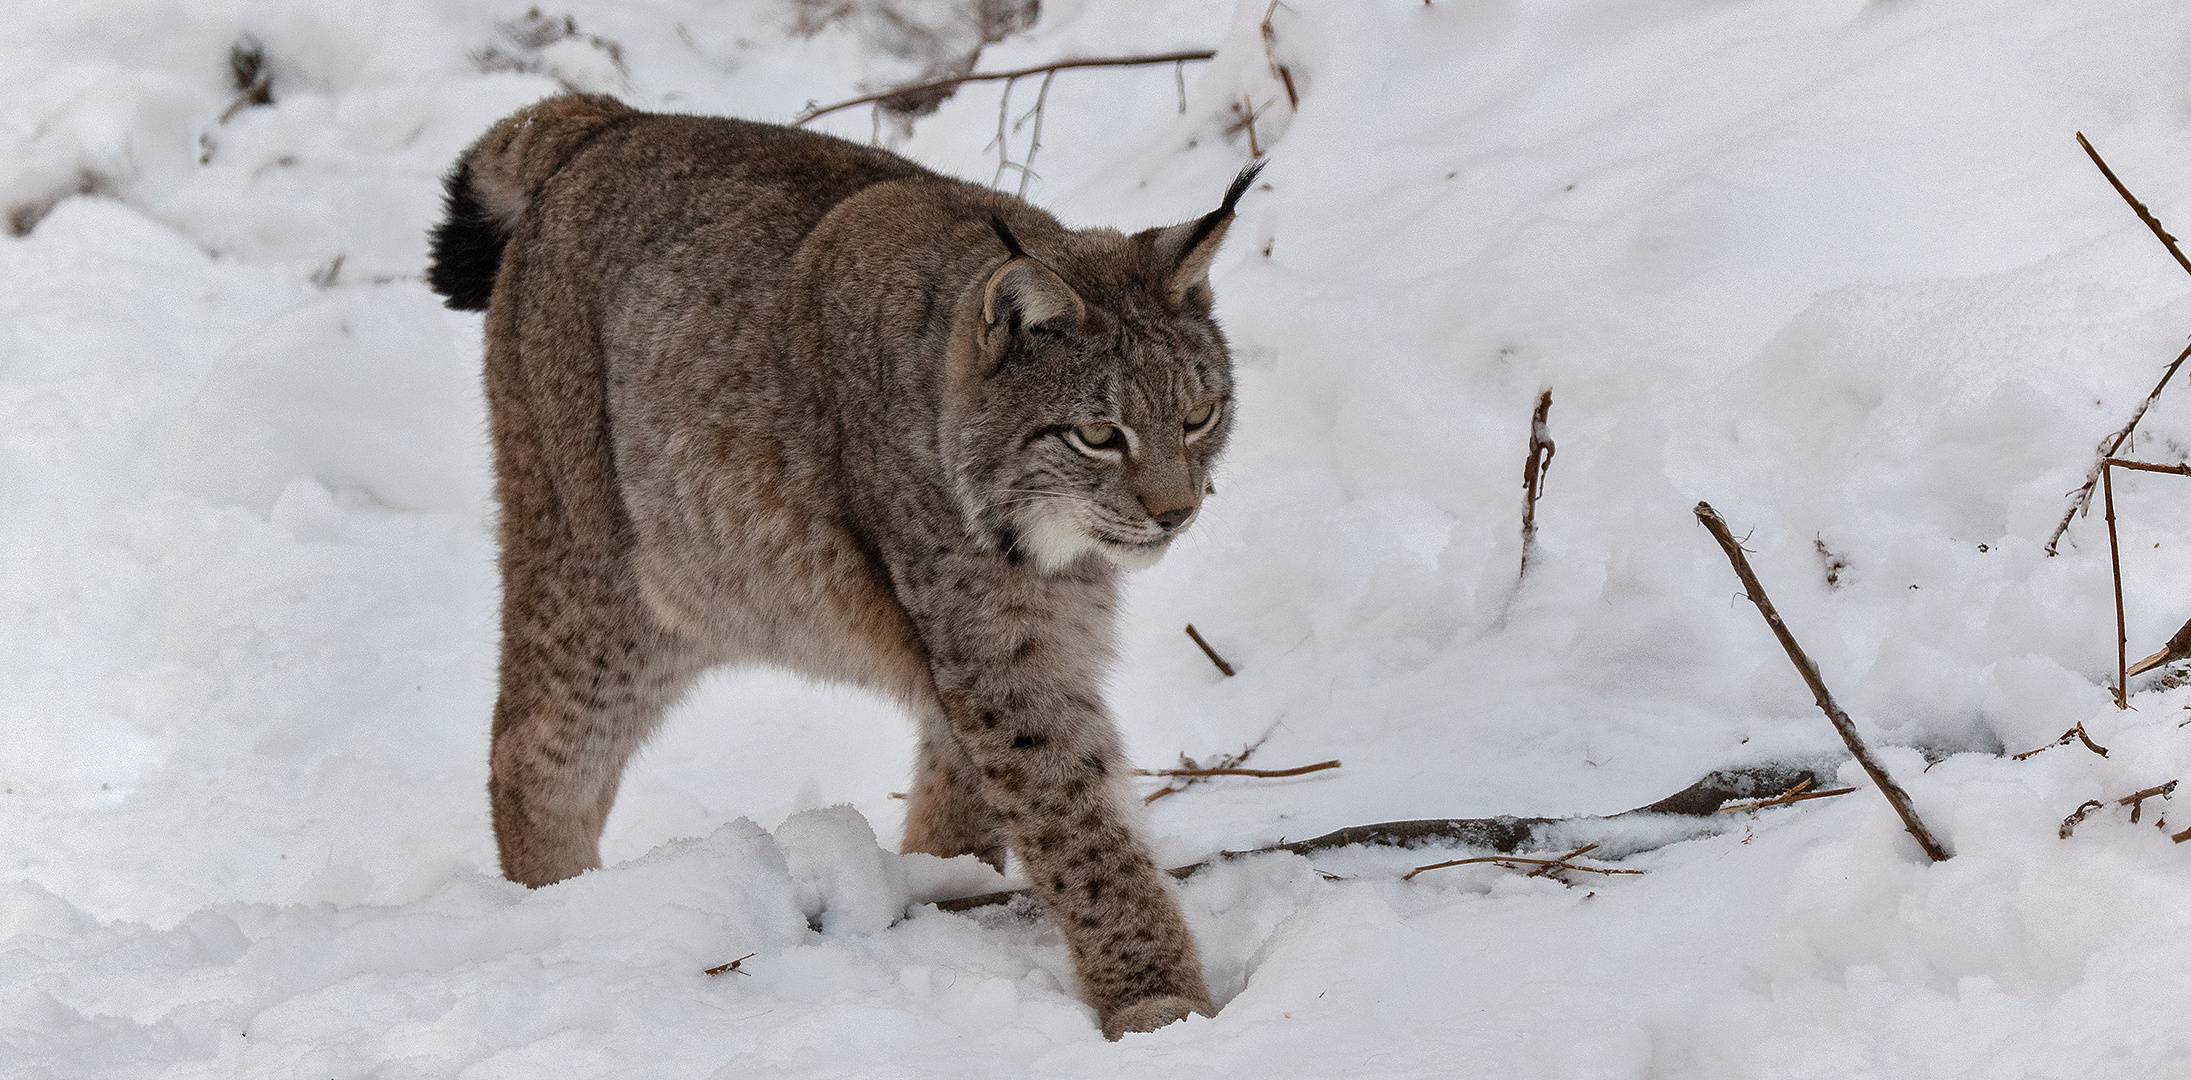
(492, 183)
(467, 245)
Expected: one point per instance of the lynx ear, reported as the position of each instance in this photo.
(1190, 247)
(1023, 294)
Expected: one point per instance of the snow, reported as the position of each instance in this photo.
(1838, 268)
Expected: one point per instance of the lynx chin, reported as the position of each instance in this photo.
(759, 395)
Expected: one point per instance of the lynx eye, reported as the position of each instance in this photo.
(1199, 418)
(1099, 438)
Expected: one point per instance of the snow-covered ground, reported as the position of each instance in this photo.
(1836, 266)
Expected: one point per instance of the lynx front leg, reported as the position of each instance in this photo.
(580, 690)
(945, 813)
(1016, 666)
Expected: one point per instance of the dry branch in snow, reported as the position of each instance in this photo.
(1541, 450)
(1800, 793)
(732, 966)
(2076, 733)
(2081, 500)
(1209, 652)
(913, 89)
(1896, 797)
(1687, 814)
(1296, 771)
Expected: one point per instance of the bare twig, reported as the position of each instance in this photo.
(1799, 793)
(1210, 652)
(2115, 565)
(2136, 799)
(1248, 120)
(1003, 143)
(1512, 862)
(1685, 815)
(1034, 138)
(1896, 797)
(814, 111)
(1270, 42)
(1298, 771)
(1541, 450)
(732, 966)
(2069, 824)
(2075, 733)
(2178, 647)
(1560, 863)
(2144, 215)
(1226, 761)
(2081, 499)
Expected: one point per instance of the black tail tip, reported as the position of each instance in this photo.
(466, 246)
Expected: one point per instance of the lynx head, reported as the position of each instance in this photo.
(1090, 390)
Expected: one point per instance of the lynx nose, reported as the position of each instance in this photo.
(1173, 518)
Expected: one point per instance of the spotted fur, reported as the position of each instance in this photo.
(761, 395)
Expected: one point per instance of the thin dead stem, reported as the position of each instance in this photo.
(1297, 771)
(1896, 797)
(732, 966)
(1799, 793)
(2073, 734)
(2144, 215)
(1534, 469)
(2115, 566)
(813, 111)
(1210, 652)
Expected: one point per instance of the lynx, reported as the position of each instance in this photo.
(759, 395)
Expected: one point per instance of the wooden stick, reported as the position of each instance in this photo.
(1694, 805)
(2136, 799)
(1896, 797)
(1795, 794)
(2069, 824)
(1513, 862)
(1560, 863)
(2081, 501)
(2148, 466)
(1210, 652)
(2077, 733)
(732, 966)
(2144, 215)
(2115, 564)
(1539, 462)
(1318, 767)
(812, 111)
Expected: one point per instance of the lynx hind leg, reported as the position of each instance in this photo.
(585, 679)
(945, 813)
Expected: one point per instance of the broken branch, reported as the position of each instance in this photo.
(2115, 566)
(1799, 793)
(1210, 652)
(2077, 733)
(732, 966)
(1513, 862)
(1896, 797)
(814, 111)
(1541, 450)
(1685, 815)
(2144, 215)
(1318, 767)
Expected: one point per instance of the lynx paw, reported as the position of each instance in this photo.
(1149, 1014)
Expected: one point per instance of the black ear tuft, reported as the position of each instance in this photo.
(1004, 233)
(1211, 220)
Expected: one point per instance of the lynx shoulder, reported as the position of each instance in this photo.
(762, 395)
